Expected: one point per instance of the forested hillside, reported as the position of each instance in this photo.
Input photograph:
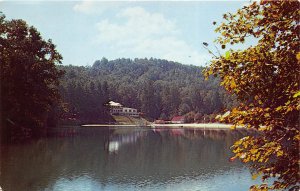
(157, 88)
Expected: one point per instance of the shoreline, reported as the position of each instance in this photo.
(183, 125)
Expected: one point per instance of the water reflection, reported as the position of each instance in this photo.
(125, 159)
(123, 136)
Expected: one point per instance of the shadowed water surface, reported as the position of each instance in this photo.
(125, 159)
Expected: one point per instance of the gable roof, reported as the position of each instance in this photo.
(178, 118)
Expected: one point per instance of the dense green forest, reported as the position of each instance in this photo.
(157, 88)
(37, 92)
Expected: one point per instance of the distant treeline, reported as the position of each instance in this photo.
(157, 88)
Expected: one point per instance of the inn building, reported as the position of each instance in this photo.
(118, 109)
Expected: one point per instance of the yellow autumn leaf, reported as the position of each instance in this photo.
(253, 151)
(279, 153)
(232, 84)
(298, 56)
(296, 94)
(254, 176)
(297, 137)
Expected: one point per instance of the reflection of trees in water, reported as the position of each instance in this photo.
(228, 136)
(145, 155)
(36, 165)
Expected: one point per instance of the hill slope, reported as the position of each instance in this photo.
(158, 88)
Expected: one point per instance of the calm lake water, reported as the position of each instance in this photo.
(125, 159)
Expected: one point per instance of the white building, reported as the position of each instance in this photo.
(115, 108)
(118, 109)
(129, 111)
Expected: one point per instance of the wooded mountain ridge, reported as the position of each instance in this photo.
(158, 88)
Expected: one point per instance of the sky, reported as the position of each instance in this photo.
(86, 31)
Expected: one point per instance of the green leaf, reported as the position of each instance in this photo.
(227, 55)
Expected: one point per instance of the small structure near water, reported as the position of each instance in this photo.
(178, 119)
(118, 109)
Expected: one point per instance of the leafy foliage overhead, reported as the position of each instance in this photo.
(265, 78)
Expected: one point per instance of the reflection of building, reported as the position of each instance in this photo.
(113, 146)
(118, 109)
(117, 140)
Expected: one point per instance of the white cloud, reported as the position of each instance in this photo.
(95, 6)
(143, 34)
(84, 6)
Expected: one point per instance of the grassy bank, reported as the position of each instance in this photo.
(127, 120)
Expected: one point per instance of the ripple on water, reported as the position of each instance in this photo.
(157, 162)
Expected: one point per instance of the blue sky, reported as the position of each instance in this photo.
(85, 31)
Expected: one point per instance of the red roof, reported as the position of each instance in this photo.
(178, 118)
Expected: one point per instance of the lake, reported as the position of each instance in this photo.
(94, 159)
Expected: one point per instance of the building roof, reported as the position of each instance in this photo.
(112, 103)
(129, 108)
(178, 118)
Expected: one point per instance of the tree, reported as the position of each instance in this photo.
(29, 78)
(265, 78)
(148, 98)
(126, 81)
